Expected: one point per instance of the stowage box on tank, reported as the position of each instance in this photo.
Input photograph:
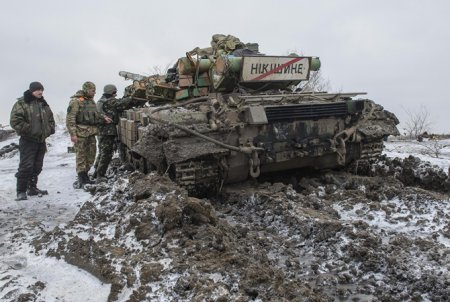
(227, 113)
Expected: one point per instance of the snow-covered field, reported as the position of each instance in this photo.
(22, 221)
(23, 269)
(425, 150)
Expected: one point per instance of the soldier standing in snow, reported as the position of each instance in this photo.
(33, 120)
(82, 122)
(110, 106)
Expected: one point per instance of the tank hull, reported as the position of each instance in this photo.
(228, 138)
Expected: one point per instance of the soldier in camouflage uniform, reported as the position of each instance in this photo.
(32, 119)
(112, 107)
(82, 122)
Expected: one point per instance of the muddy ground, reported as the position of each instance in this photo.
(331, 236)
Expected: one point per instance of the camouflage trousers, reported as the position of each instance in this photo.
(105, 154)
(85, 150)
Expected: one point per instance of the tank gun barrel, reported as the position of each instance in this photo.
(133, 76)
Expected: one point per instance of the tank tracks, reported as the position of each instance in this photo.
(200, 177)
(371, 150)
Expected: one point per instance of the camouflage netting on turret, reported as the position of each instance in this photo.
(222, 45)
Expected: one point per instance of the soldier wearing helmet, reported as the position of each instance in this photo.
(111, 106)
(82, 121)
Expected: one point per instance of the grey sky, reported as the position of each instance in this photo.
(397, 51)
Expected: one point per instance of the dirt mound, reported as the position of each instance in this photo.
(336, 236)
(161, 237)
(411, 171)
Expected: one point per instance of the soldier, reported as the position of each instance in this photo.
(32, 119)
(112, 107)
(82, 121)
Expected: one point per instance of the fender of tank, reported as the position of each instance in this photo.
(228, 113)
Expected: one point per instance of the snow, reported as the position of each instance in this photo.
(418, 220)
(63, 282)
(424, 150)
(24, 221)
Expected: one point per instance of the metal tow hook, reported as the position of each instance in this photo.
(254, 163)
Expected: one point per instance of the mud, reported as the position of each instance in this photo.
(336, 236)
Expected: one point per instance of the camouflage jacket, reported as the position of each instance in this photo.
(112, 107)
(83, 117)
(32, 118)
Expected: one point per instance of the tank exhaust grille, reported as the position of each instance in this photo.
(305, 112)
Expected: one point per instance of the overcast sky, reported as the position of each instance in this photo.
(397, 51)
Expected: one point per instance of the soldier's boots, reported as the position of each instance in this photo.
(21, 196)
(87, 180)
(83, 179)
(33, 191)
(77, 184)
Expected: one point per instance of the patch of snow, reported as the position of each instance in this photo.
(21, 221)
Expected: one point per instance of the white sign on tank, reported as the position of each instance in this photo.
(266, 68)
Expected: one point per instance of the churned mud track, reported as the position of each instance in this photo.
(335, 236)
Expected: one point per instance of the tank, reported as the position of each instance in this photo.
(228, 113)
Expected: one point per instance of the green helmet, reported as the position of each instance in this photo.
(110, 89)
(87, 86)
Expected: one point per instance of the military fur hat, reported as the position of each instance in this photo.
(87, 86)
(110, 89)
(36, 86)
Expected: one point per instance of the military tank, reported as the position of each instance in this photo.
(228, 113)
